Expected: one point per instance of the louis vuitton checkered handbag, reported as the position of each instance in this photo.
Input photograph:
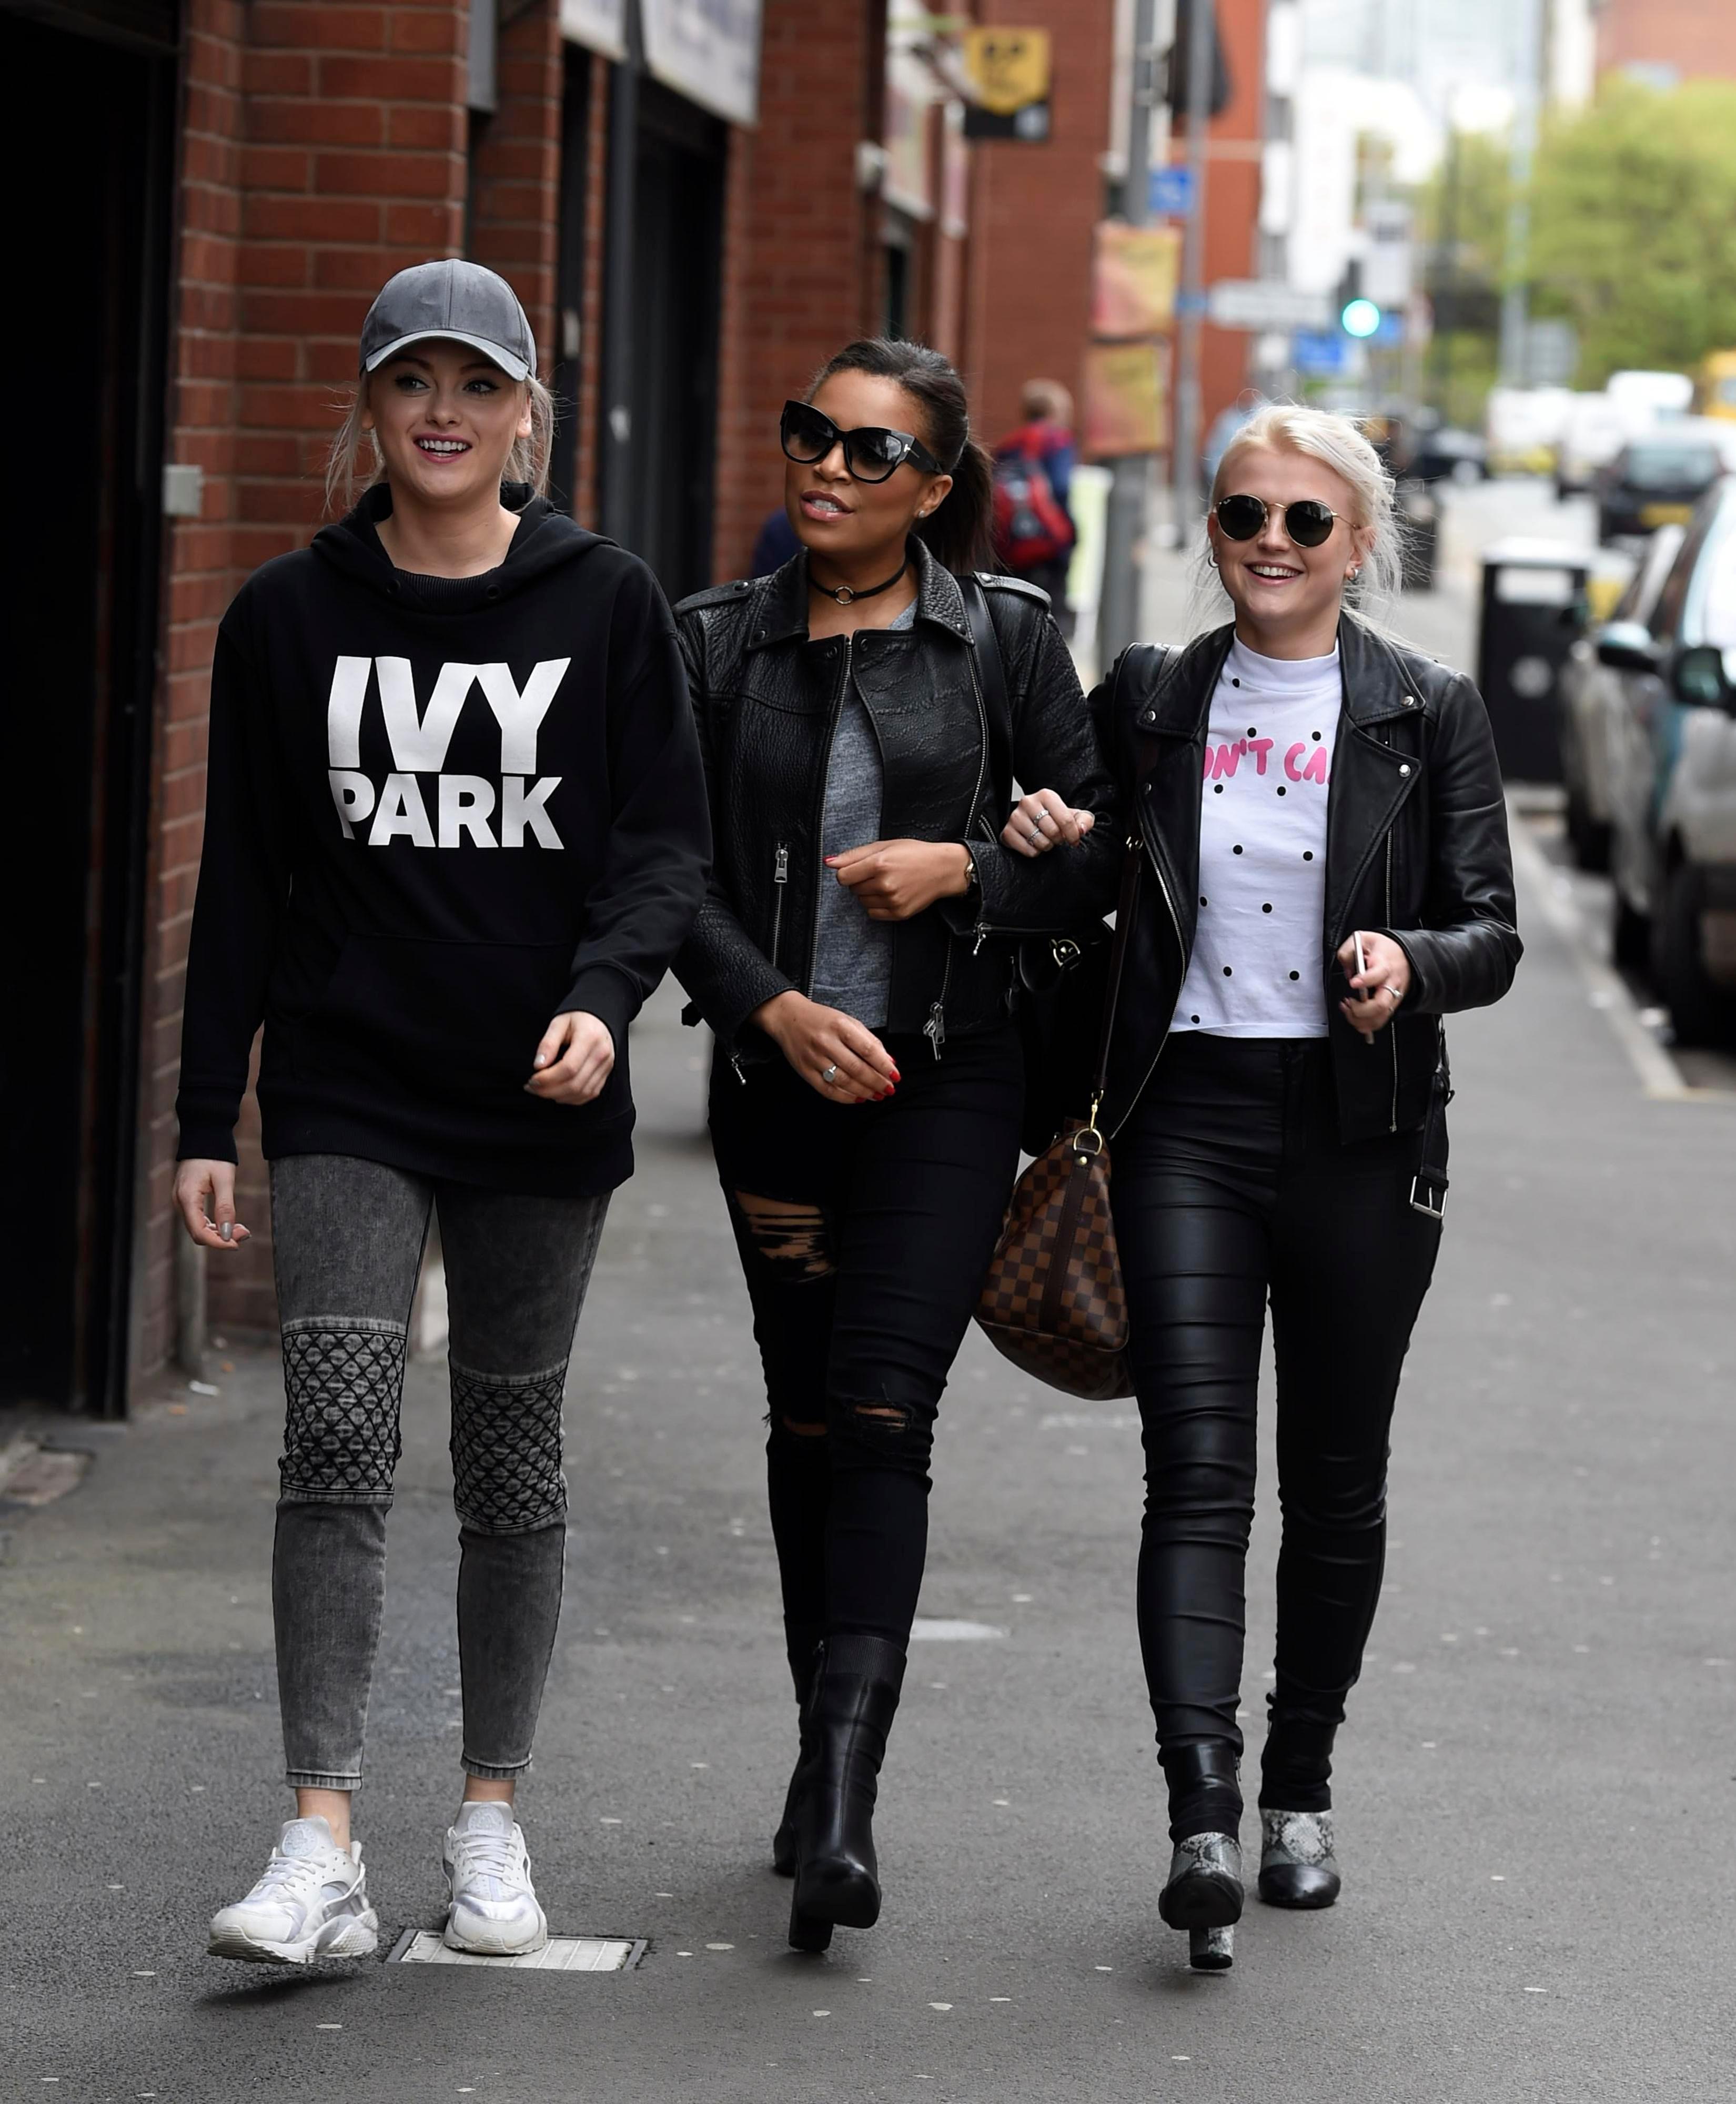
(1052, 1302)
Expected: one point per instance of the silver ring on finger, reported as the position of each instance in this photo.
(829, 1075)
(1391, 992)
(1036, 837)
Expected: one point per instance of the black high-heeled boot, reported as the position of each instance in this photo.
(850, 1713)
(803, 1646)
(1204, 1888)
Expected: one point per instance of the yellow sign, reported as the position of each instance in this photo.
(1123, 399)
(1008, 68)
(1133, 284)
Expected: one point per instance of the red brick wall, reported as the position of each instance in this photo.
(515, 173)
(1696, 37)
(798, 256)
(323, 149)
(1033, 211)
(1232, 196)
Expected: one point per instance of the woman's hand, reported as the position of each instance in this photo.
(895, 880)
(1043, 820)
(819, 1042)
(215, 1227)
(576, 1057)
(1381, 986)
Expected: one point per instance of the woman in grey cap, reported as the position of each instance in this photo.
(455, 831)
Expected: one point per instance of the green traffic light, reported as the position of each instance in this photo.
(1360, 318)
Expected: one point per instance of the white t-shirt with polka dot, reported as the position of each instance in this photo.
(1257, 967)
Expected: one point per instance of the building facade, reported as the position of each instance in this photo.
(696, 206)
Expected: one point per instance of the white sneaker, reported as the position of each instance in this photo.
(494, 1908)
(312, 1902)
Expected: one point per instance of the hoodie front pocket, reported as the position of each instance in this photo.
(442, 1016)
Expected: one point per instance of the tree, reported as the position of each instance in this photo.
(1633, 231)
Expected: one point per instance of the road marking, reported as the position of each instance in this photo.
(940, 1630)
(1659, 1077)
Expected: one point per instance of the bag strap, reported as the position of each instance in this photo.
(991, 672)
(1429, 1185)
(1153, 656)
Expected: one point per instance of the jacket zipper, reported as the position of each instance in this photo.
(780, 877)
(819, 819)
(981, 931)
(1392, 1030)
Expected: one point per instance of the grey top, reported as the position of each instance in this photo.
(853, 955)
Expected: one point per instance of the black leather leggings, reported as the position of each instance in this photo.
(1231, 1186)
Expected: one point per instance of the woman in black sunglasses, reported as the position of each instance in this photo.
(1323, 875)
(861, 712)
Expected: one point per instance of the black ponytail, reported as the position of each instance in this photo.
(958, 533)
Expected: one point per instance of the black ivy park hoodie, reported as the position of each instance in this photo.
(439, 812)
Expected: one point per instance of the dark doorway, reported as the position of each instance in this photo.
(672, 388)
(87, 385)
(570, 272)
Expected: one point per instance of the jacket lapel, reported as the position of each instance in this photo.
(1372, 777)
(1166, 731)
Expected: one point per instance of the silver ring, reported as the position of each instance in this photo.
(830, 1074)
(1036, 836)
(1391, 992)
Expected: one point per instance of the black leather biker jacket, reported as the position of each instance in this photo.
(767, 700)
(1416, 848)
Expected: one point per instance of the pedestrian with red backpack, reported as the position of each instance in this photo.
(1033, 528)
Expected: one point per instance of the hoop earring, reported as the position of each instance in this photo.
(1210, 555)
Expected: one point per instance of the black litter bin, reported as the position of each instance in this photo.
(1534, 601)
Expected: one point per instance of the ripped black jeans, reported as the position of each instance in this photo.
(347, 1238)
(864, 1231)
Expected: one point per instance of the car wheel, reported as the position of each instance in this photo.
(1701, 1011)
(1630, 937)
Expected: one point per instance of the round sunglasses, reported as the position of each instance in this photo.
(1308, 522)
(870, 453)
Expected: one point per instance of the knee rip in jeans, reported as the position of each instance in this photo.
(792, 1239)
(505, 1449)
(343, 1385)
(887, 1433)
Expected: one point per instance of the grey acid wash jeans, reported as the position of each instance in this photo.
(348, 1237)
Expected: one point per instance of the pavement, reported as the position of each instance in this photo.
(1536, 1792)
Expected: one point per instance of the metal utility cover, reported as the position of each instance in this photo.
(560, 1954)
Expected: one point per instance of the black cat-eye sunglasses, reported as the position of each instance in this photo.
(870, 453)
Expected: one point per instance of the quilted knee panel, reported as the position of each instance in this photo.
(343, 1383)
(505, 1449)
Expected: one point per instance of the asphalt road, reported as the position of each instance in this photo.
(1537, 1791)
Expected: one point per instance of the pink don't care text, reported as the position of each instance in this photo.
(1299, 763)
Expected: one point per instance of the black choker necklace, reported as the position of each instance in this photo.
(845, 596)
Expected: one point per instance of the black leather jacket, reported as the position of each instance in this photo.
(767, 702)
(1416, 849)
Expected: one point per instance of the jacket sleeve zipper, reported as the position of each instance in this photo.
(934, 1029)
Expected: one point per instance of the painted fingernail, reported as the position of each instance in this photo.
(227, 1230)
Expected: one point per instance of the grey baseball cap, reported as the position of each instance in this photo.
(455, 299)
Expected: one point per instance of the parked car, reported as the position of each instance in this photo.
(1597, 427)
(1657, 481)
(1673, 790)
(1591, 695)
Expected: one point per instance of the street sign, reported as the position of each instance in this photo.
(1321, 353)
(1170, 191)
(1263, 303)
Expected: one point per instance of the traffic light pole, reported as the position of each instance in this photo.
(1124, 525)
(1202, 33)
